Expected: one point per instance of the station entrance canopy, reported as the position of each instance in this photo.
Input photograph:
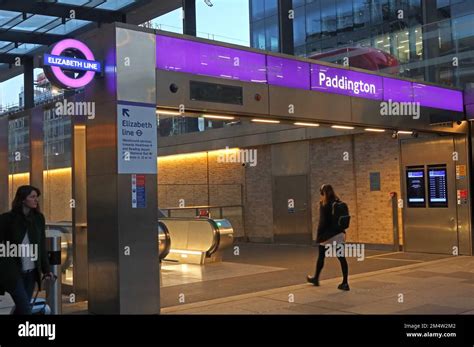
(270, 83)
(181, 55)
(144, 70)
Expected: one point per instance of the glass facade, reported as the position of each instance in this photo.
(424, 40)
(264, 25)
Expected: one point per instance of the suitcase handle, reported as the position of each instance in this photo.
(37, 292)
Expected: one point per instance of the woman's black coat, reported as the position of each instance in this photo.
(326, 227)
(13, 226)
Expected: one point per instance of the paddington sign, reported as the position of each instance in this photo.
(346, 82)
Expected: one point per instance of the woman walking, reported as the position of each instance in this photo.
(330, 235)
(23, 228)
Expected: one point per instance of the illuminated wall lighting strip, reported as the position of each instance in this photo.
(342, 127)
(375, 130)
(265, 121)
(45, 172)
(169, 113)
(218, 117)
(198, 154)
(307, 124)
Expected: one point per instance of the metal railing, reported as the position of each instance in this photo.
(233, 213)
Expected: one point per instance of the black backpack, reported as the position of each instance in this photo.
(340, 215)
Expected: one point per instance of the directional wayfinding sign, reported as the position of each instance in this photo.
(137, 139)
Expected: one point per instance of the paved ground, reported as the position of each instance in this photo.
(438, 287)
(263, 278)
(285, 265)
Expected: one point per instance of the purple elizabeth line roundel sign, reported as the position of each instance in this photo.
(70, 64)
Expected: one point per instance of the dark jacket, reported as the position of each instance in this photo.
(326, 227)
(13, 226)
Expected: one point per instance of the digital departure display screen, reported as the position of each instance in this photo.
(416, 195)
(438, 188)
(212, 92)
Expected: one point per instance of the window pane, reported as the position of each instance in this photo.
(299, 26)
(328, 18)
(271, 34)
(313, 21)
(257, 9)
(345, 16)
(271, 7)
(361, 13)
(258, 34)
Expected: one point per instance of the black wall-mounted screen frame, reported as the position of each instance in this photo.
(218, 93)
(437, 204)
(413, 194)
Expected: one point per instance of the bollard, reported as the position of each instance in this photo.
(396, 243)
(53, 287)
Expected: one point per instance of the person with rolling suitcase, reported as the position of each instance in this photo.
(23, 228)
(40, 306)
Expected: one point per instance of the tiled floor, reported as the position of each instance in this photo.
(270, 279)
(174, 275)
(438, 287)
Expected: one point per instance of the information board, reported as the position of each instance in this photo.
(437, 186)
(137, 143)
(416, 195)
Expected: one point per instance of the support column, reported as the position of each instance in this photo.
(79, 212)
(28, 83)
(122, 235)
(4, 203)
(189, 17)
(287, 45)
(36, 120)
(469, 109)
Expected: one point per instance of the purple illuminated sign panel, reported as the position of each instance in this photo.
(176, 54)
(71, 64)
(397, 90)
(288, 73)
(436, 97)
(198, 58)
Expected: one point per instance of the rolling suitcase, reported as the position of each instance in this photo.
(39, 306)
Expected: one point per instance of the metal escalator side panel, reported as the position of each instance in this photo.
(201, 235)
(164, 241)
(225, 232)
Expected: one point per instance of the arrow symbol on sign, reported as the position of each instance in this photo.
(125, 112)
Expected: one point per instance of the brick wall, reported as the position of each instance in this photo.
(376, 153)
(328, 166)
(182, 177)
(371, 211)
(201, 180)
(343, 161)
(258, 198)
